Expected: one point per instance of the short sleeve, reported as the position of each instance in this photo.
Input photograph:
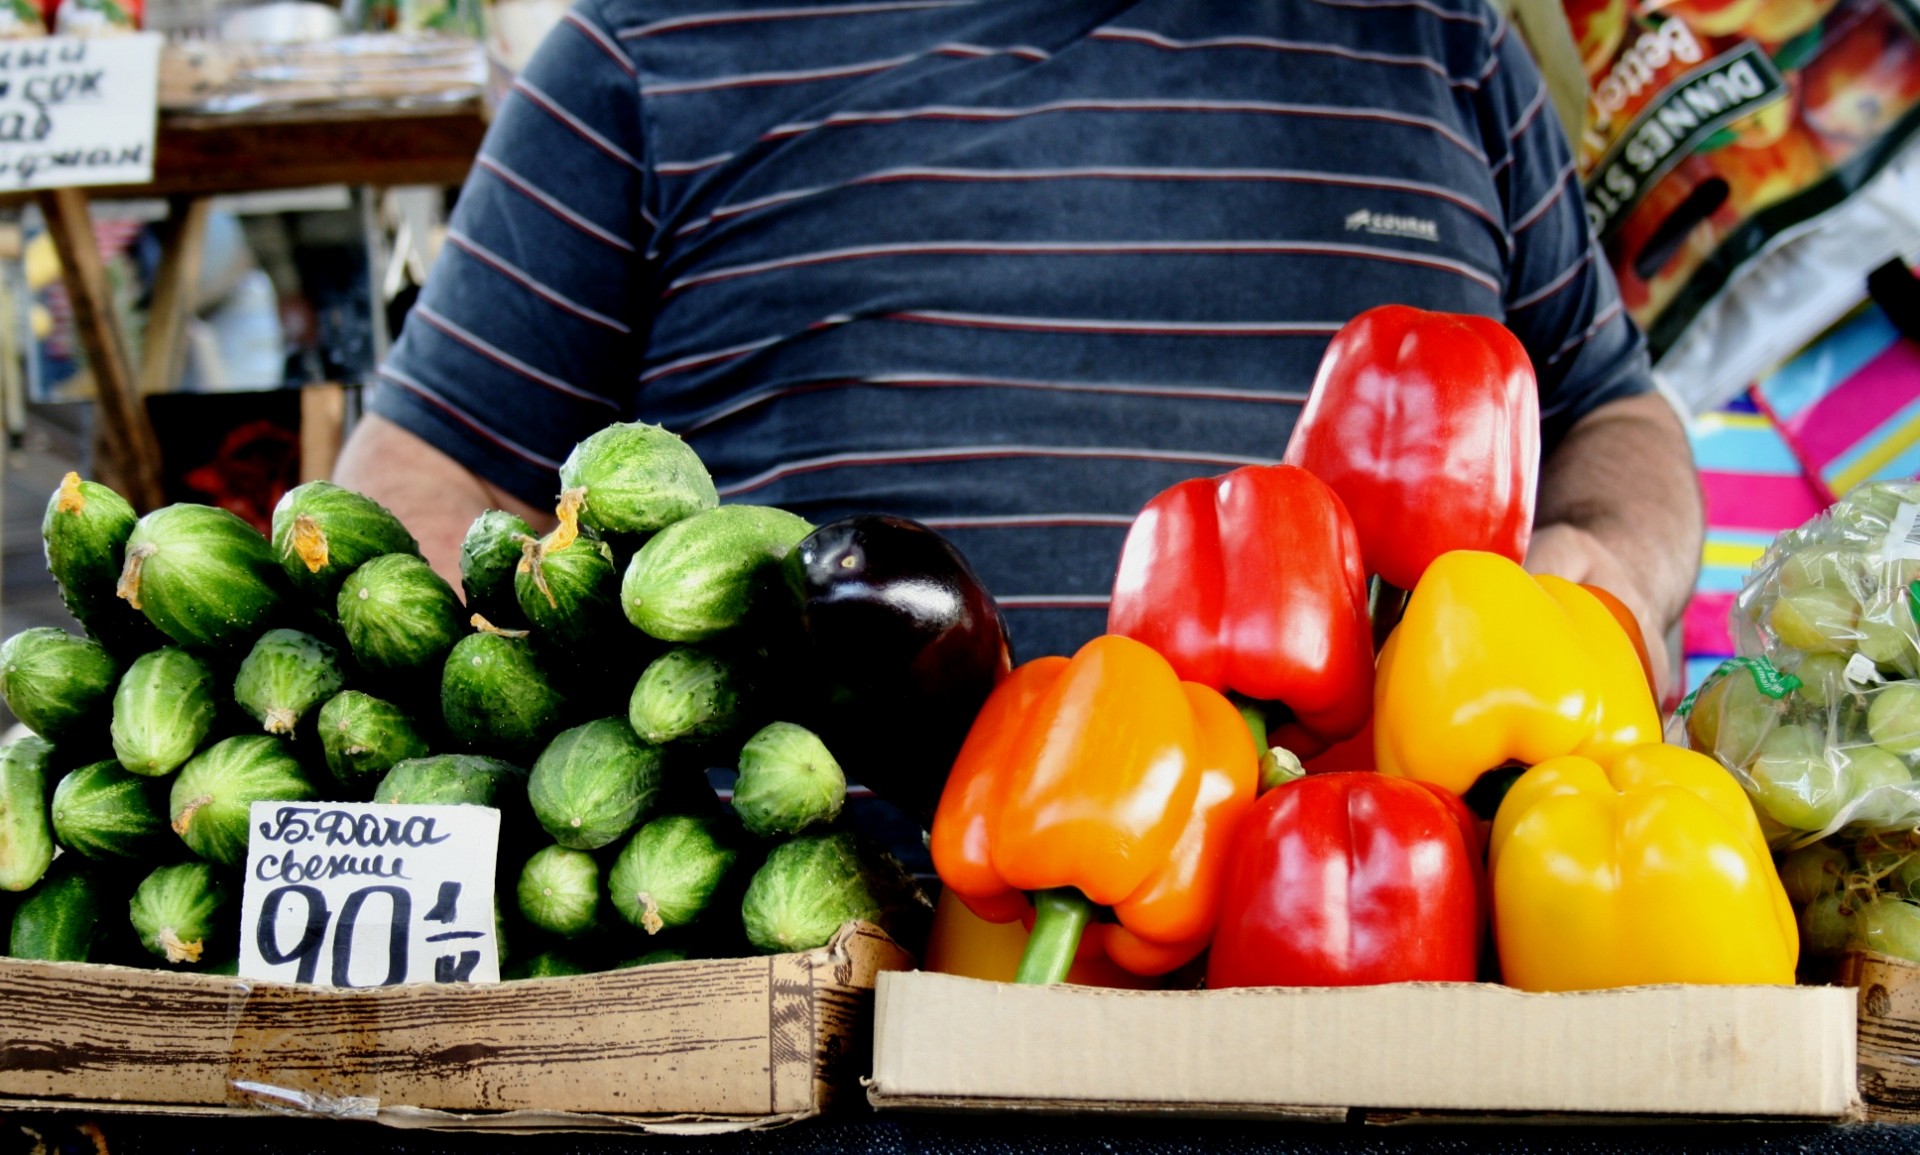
(525, 337)
(1561, 297)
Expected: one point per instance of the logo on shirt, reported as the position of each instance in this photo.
(1393, 225)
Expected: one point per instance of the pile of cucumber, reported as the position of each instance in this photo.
(583, 682)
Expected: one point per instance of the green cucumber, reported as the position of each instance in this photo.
(488, 556)
(61, 920)
(364, 736)
(85, 531)
(570, 593)
(104, 813)
(60, 686)
(211, 797)
(322, 533)
(788, 782)
(668, 872)
(709, 573)
(559, 891)
(688, 694)
(286, 674)
(634, 478)
(452, 780)
(26, 838)
(206, 578)
(495, 698)
(177, 909)
(593, 782)
(808, 887)
(400, 617)
(163, 709)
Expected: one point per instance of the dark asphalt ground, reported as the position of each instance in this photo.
(867, 1134)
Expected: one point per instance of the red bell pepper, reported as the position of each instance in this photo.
(1428, 427)
(1251, 583)
(1352, 878)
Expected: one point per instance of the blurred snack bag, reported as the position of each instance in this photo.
(19, 18)
(98, 17)
(1715, 130)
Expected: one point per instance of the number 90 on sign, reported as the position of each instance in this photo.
(336, 894)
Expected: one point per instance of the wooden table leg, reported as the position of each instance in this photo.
(126, 453)
(323, 418)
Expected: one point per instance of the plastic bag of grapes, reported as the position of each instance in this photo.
(1820, 718)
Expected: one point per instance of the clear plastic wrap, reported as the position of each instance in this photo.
(1819, 718)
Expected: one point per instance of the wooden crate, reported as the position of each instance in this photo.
(691, 1046)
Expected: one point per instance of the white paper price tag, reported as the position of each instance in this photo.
(360, 894)
(78, 110)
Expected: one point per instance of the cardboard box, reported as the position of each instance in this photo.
(716, 1045)
(944, 1042)
(1889, 993)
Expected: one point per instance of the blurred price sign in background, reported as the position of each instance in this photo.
(78, 110)
(361, 894)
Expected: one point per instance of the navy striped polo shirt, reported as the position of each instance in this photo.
(1009, 267)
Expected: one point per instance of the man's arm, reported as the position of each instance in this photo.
(1620, 507)
(435, 496)
(523, 340)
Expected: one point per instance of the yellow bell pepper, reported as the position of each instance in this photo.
(1650, 870)
(1492, 665)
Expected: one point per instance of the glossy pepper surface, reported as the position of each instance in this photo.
(1351, 878)
(1428, 427)
(1251, 582)
(1492, 665)
(1105, 775)
(1649, 869)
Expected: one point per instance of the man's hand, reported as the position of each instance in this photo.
(1620, 508)
(433, 495)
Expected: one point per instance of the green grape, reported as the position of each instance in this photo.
(1823, 679)
(1894, 718)
(1888, 636)
(1868, 769)
(1889, 926)
(1794, 781)
(1816, 620)
(1812, 871)
(1731, 716)
(1825, 568)
(1827, 925)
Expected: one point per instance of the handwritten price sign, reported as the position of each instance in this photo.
(78, 110)
(359, 894)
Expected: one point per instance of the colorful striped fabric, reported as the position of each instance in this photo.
(1844, 411)
(1849, 407)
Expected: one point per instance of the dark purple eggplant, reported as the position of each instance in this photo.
(906, 643)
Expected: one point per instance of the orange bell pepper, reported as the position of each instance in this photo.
(1101, 779)
(1493, 665)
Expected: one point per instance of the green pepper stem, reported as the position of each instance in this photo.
(1060, 917)
(1254, 714)
(1385, 604)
